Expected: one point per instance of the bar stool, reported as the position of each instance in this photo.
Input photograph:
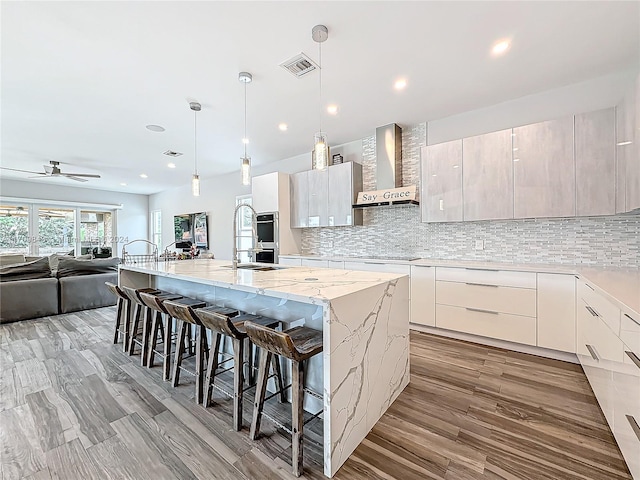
(156, 304)
(227, 322)
(123, 309)
(297, 344)
(182, 309)
(132, 319)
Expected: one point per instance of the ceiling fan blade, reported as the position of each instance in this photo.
(72, 177)
(48, 169)
(87, 175)
(23, 171)
(38, 175)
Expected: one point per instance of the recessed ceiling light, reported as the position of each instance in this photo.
(155, 128)
(400, 84)
(332, 109)
(516, 159)
(456, 166)
(171, 165)
(143, 175)
(123, 184)
(515, 149)
(283, 127)
(501, 47)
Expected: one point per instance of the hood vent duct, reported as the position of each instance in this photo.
(389, 189)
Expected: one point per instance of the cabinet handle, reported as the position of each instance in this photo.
(593, 353)
(482, 269)
(481, 284)
(631, 318)
(634, 358)
(592, 311)
(482, 311)
(634, 425)
(373, 263)
(590, 287)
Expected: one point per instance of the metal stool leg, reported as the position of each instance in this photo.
(127, 326)
(156, 325)
(182, 333)
(146, 336)
(297, 415)
(212, 366)
(238, 382)
(261, 388)
(166, 361)
(118, 320)
(134, 329)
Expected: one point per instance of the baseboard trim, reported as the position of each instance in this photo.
(493, 342)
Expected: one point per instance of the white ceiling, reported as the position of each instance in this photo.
(80, 80)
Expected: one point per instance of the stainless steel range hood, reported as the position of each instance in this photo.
(388, 172)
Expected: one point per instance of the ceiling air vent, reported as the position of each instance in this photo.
(171, 153)
(300, 65)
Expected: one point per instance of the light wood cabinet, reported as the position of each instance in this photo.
(345, 182)
(557, 312)
(423, 295)
(318, 198)
(487, 176)
(299, 183)
(628, 151)
(441, 195)
(544, 169)
(595, 152)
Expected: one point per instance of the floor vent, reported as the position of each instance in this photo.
(300, 65)
(171, 153)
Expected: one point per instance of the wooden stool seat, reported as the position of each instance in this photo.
(161, 327)
(226, 321)
(297, 344)
(182, 309)
(123, 310)
(141, 310)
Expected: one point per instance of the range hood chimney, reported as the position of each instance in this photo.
(388, 156)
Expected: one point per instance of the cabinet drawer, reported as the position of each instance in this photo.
(378, 267)
(513, 328)
(338, 264)
(603, 307)
(491, 277)
(630, 333)
(294, 262)
(517, 301)
(314, 262)
(626, 407)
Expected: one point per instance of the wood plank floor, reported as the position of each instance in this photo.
(73, 406)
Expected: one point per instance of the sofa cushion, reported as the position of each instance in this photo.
(85, 292)
(25, 299)
(11, 259)
(71, 267)
(26, 271)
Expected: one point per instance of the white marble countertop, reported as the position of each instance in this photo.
(620, 285)
(305, 284)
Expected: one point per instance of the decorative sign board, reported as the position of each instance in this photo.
(387, 196)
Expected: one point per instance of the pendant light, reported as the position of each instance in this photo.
(245, 166)
(320, 33)
(195, 180)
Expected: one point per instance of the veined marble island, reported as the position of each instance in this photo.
(364, 317)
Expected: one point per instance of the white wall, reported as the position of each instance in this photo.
(132, 219)
(594, 94)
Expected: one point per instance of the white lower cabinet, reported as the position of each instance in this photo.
(612, 368)
(337, 264)
(291, 261)
(315, 262)
(370, 266)
(423, 295)
(557, 312)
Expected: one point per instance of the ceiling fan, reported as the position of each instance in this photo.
(52, 170)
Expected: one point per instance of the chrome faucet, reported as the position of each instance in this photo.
(255, 247)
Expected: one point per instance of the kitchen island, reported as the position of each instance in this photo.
(364, 317)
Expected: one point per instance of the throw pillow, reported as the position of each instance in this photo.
(26, 271)
(71, 267)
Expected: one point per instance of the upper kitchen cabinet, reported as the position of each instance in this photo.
(318, 198)
(487, 176)
(325, 198)
(595, 163)
(628, 151)
(345, 181)
(442, 182)
(299, 183)
(544, 169)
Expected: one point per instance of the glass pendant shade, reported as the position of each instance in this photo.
(245, 170)
(195, 185)
(320, 151)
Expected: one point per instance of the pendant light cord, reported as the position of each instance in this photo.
(320, 72)
(195, 140)
(245, 120)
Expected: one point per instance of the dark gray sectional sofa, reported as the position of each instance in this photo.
(35, 289)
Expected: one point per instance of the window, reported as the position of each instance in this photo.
(245, 240)
(156, 229)
(56, 231)
(14, 229)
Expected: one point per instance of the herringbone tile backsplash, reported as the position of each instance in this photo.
(393, 231)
